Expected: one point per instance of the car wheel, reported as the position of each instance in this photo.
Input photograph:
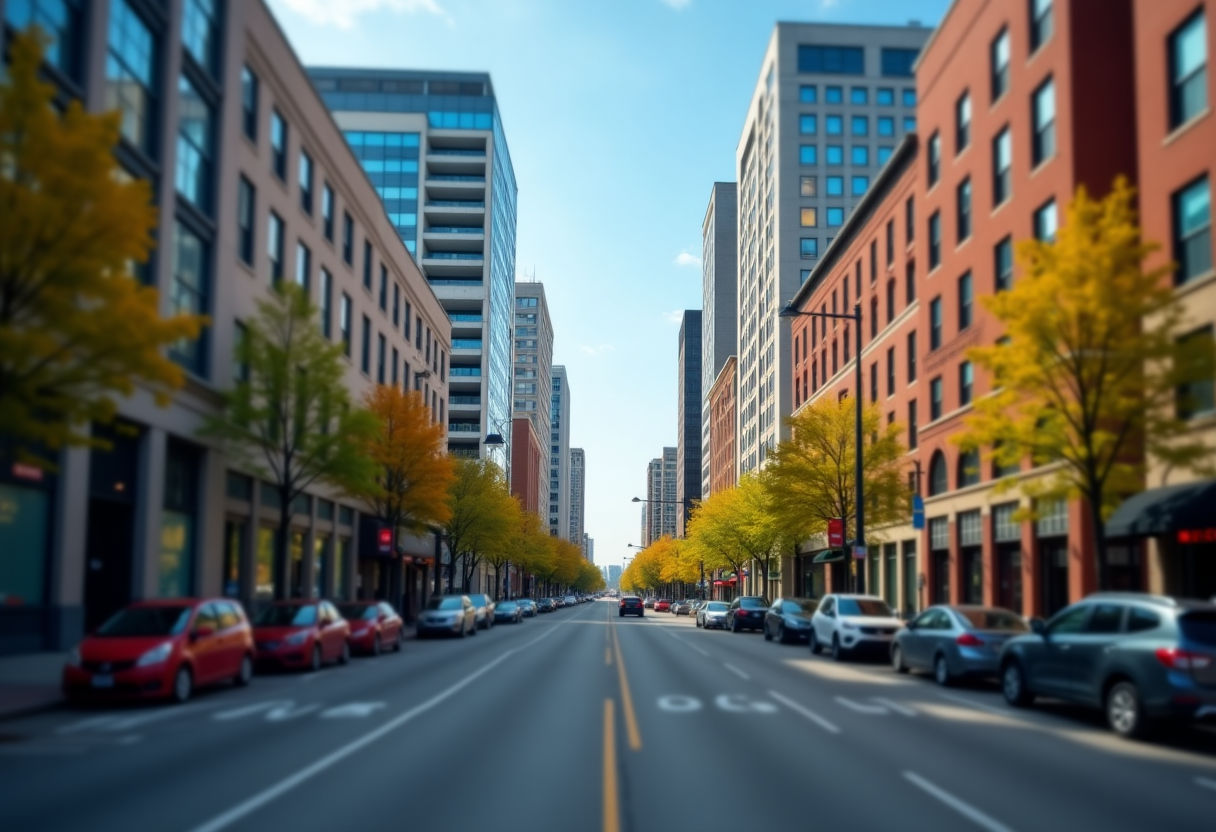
(837, 650)
(781, 634)
(315, 664)
(698, 623)
(183, 684)
(1125, 712)
(816, 647)
(376, 645)
(734, 625)
(344, 656)
(245, 674)
(897, 660)
(1013, 685)
(622, 614)
(941, 671)
(767, 635)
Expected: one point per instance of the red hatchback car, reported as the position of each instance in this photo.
(374, 626)
(662, 605)
(301, 634)
(162, 649)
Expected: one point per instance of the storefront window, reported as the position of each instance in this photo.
(234, 536)
(341, 556)
(319, 544)
(176, 554)
(264, 581)
(23, 513)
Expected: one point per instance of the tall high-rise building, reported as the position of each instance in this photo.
(433, 145)
(719, 315)
(661, 507)
(532, 371)
(614, 576)
(589, 547)
(688, 440)
(578, 498)
(829, 107)
(559, 454)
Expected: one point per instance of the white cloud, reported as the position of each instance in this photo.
(676, 4)
(601, 349)
(684, 258)
(342, 13)
(675, 316)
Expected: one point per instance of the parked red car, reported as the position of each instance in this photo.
(662, 605)
(374, 626)
(301, 634)
(162, 649)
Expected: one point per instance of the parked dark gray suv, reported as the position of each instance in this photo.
(1143, 659)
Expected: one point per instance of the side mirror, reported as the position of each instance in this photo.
(910, 625)
(1038, 626)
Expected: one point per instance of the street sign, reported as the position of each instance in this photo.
(835, 533)
(918, 512)
(859, 551)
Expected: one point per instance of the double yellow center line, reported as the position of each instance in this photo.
(612, 811)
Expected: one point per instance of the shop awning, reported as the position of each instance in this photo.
(828, 556)
(1161, 511)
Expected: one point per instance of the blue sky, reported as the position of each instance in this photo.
(620, 116)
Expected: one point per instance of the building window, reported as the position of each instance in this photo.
(348, 242)
(935, 399)
(278, 144)
(1040, 23)
(130, 68)
(274, 246)
(885, 126)
(246, 206)
(909, 124)
(833, 95)
(859, 155)
(808, 124)
(935, 323)
(965, 302)
(344, 323)
(327, 211)
(835, 125)
(859, 95)
(908, 97)
(890, 301)
(306, 182)
(194, 146)
(934, 158)
(963, 201)
(365, 361)
(1045, 222)
(859, 185)
(303, 267)
(1188, 61)
(969, 474)
(884, 154)
(897, 63)
(249, 103)
(380, 349)
(1002, 166)
(859, 126)
(1043, 140)
(808, 186)
(189, 293)
(198, 32)
(1193, 230)
(873, 317)
(891, 371)
(874, 382)
(935, 240)
(910, 220)
(910, 282)
(808, 154)
(912, 427)
(808, 94)
(835, 217)
(835, 157)
(911, 356)
(884, 97)
(832, 60)
(966, 378)
(962, 123)
(809, 248)
(383, 288)
(61, 20)
(809, 217)
(1199, 397)
(1000, 64)
(396, 304)
(1003, 264)
(326, 303)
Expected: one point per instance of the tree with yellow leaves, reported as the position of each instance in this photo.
(1091, 368)
(77, 330)
(481, 514)
(734, 527)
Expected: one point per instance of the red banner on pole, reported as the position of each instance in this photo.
(836, 533)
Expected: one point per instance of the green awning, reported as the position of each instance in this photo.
(829, 556)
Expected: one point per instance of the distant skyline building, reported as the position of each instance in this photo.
(434, 148)
(719, 310)
(559, 454)
(688, 440)
(533, 365)
(589, 547)
(660, 509)
(830, 104)
(577, 498)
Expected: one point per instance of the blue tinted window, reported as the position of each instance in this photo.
(835, 125)
(835, 217)
(859, 95)
(860, 154)
(833, 95)
(835, 154)
(808, 94)
(807, 155)
(885, 97)
(807, 124)
(860, 185)
(898, 62)
(810, 247)
(805, 274)
(835, 186)
(845, 60)
(909, 124)
(908, 97)
(884, 153)
(860, 126)
(886, 126)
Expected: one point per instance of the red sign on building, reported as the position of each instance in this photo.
(836, 533)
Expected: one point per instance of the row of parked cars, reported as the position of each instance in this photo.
(1145, 660)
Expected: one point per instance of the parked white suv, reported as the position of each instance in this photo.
(851, 623)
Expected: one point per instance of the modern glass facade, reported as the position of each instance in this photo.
(391, 163)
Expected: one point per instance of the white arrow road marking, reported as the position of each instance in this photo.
(965, 809)
(830, 727)
(737, 704)
(873, 710)
(895, 706)
(238, 713)
(288, 711)
(678, 704)
(1206, 783)
(121, 723)
(354, 709)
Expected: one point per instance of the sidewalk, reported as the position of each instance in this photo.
(30, 682)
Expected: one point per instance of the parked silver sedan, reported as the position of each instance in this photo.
(448, 615)
(712, 614)
(955, 641)
(681, 607)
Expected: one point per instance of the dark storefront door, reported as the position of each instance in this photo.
(973, 575)
(109, 544)
(1009, 576)
(941, 577)
(1053, 574)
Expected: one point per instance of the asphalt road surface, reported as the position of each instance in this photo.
(580, 720)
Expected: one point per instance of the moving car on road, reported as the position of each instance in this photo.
(452, 615)
(374, 626)
(712, 614)
(163, 648)
(485, 610)
(955, 641)
(301, 634)
(853, 623)
(509, 612)
(746, 613)
(789, 619)
(1144, 659)
(631, 605)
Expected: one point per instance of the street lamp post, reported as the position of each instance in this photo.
(686, 503)
(502, 439)
(789, 311)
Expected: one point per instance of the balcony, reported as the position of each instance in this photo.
(453, 264)
(455, 187)
(458, 238)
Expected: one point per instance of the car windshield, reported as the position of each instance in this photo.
(982, 619)
(716, 606)
(863, 606)
(444, 604)
(357, 611)
(286, 615)
(797, 605)
(146, 621)
(1199, 627)
(507, 605)
(479, 600)
(754, 603)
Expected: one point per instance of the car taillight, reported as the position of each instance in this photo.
(969, 640)
(1176, 659)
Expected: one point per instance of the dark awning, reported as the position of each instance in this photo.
(1165, 510)
(829, 556)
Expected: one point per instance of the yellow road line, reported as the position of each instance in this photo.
(631, 721)
(612, 809)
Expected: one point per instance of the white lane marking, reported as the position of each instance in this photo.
(873, 710)
(289, 711)
(237, 713)
(738, 704)
(737, 672)
(678, 704)
(965, 809)
(686, 643)
(698, 649)
(354, 709)
(114, 722)
(826, 725)
(1206, 783)
(895, 706)
(241, 810)
(962, 700)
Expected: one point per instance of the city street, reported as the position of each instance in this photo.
(580, 720)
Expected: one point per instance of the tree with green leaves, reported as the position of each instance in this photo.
(481, 515)
(288, 419)
(77, 330)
